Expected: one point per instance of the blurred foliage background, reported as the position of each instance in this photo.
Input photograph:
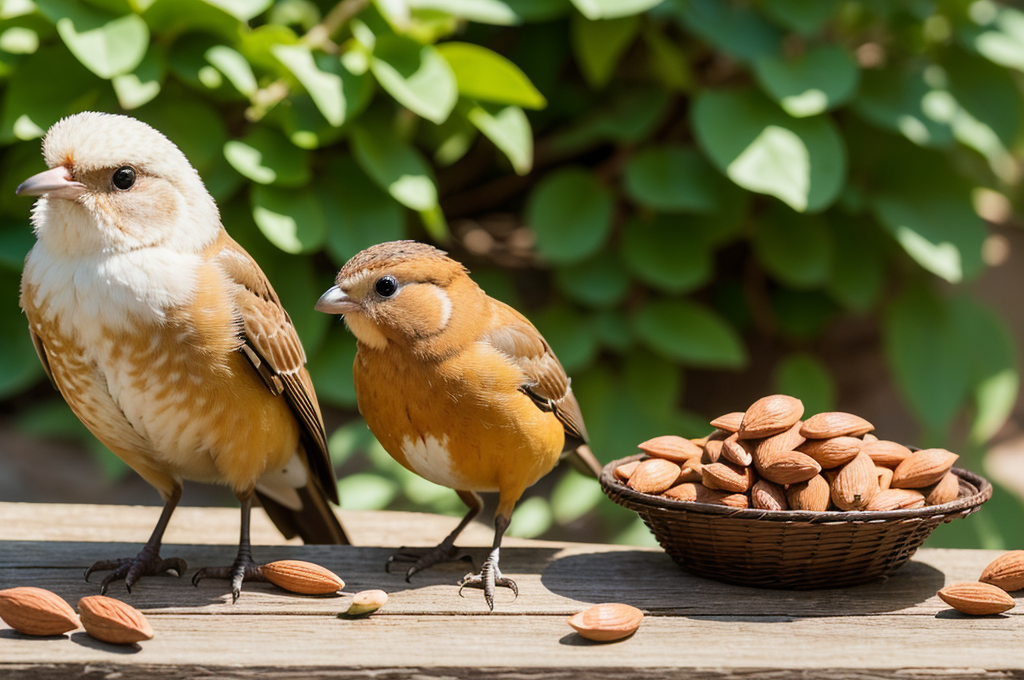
(666, 188)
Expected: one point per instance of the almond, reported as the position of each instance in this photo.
(770, 415)
(607, 622)
(869, 437)
(113, 621)
(884, 477)
(730, 422)
(946, 490)
(736, 451)
(701, 441)
(788, 467)
(366, 602)
(832, 453)
(735, 500)
(836, 424)
(35, 611)
(885, 453)
(812, 495)
(625, 471)
(712, 451)
(923, 468)
(896, 499)
(654, 476)
(977, 599)
(671, 447)
(727, 477)
(691, 471)
(765, 495)
(683, 492)
(856, 484)
(784, 441)
(1006, 571)
(301, 577)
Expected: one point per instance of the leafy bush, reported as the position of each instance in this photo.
(656, 183)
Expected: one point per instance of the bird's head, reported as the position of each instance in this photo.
(397, 292)
(116, 184)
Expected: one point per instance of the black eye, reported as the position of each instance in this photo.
(386, 286)
(124, 177)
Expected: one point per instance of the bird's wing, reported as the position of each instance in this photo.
(545, 380)
(37, 342)
(273, 347)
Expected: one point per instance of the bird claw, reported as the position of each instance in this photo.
(243, 569)
(490, 576)
(438, 554)
(131, 569)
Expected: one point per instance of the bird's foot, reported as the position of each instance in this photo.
(130, 569)
(244, 568)
(445, 552)
(489, 577)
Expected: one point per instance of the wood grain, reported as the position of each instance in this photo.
(707, 629)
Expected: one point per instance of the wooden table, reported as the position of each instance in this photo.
(695, 628)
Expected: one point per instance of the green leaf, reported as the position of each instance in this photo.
(667, 61)
(795, 249)
(819, 80)
(600, 281)
(324, 86)
(802, 314)
(234, 67)
(629, 118)
(898, 100)
(567, 331)
(990, 352)
(598, 45)
(925, 357)
(395, 166)
(509, 129)
(673, 178)
(106, 44)
(45, 87)
(366, 491)
(612, 9)
(331, 370)
(760, 148)
(668, 254)
(653, 382)
(266, 157)
(257, 45)
(733, 28)
(19, 40)
(571, 213)
(19, 365)
(143, 84)
(531, 518)
(612, 330)
(486, 75)
(224, 18)
(806, 378)
(293, 220)
(687, 332)
(359, 213)
(417, 76)
(858, 267)
(574, 496)
(16, 239)
(494, 12)
(998, 35)
(192, 124)
(799, 15)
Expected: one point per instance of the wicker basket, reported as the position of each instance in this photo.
(791, 549)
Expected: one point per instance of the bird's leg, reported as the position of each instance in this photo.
(490, 575)
(244, 567)
(148, 562)
(445, 551)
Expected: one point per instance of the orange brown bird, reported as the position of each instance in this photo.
(166, 339)
(458, 387)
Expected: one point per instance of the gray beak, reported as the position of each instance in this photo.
(55, 182)
(334, 301)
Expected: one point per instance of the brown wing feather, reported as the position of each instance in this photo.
(545, 380)
(270, 334)
(37, 342)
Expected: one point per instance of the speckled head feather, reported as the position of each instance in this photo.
(394, 253)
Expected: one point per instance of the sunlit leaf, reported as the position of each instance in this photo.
(818, 80)
(487, 76)
(395, 166)
(324, 86)
(611, 9)
(265, 157)
(143, 84)
(415, 75)
(598, 45)
(107, 44)
(234, 67)
(509, 129)
(293, 220)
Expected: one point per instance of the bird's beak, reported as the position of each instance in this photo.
(55, 182)
(335, 301)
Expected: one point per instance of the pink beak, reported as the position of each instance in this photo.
(335, 301)
(55, 182)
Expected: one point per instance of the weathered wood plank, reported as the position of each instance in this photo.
(547, 642)
(551, 581)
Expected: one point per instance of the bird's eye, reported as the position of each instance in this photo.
(386, 286)
(124, 177)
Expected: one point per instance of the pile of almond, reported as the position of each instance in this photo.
(39, 612)
(768, 458)
(991, 593)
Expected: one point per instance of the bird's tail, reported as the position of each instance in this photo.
(584, 460)
(313, 521)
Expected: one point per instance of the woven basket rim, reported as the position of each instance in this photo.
(627, 497)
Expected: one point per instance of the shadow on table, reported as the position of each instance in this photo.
(651, 581)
